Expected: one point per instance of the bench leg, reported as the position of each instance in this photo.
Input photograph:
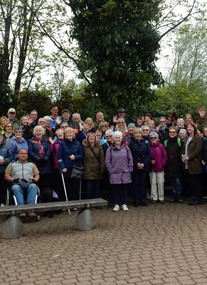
(85, 220)
(12, 228)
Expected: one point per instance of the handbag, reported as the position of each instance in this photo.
(77, 172)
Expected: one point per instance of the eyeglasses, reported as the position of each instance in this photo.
(172, 132)
(63, 126)
(162, 121)
(120, 122)
(109, 136)
(104, 126)
(12, 113)
(23, 153)
(9, 126)
(18, 132)
(153, 138)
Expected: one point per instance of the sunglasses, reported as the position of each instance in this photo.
(153, 138)
(145, 130)
(109, 136)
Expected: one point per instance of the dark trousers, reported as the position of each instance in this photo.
(120, 192)
(57, 184)
(194, 181)
(138, 182)
(72, 188)
(92, 188)
(3, 187)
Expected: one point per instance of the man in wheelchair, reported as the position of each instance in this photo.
(23, 176)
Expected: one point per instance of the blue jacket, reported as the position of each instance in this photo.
(15, 146)
(6, 153)
(66, 149)
(44, 165)
(141, 153)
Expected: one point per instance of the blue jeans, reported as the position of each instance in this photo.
(177, 185)
(92, 189)
(31, 193)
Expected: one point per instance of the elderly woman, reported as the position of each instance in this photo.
(119, 164)
(141, 158)
(16, 143)
(191, 157)
(8, 132)
(40, 154)
(93, 165)
(3, 121)
(5, 158)
(70, 153)
(174, 164)
(158, 163)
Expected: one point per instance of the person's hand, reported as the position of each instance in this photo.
(64, 170)
(50, 139)
(32, 180)
(16, 180)
(72, 157)
(203, 162)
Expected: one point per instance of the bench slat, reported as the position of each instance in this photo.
(44, 207)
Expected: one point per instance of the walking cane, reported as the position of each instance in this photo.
(66, 195)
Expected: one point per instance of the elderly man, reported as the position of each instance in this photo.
(23, 176)
(11, 114)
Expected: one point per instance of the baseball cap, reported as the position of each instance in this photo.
(65, 111)
(11, 110)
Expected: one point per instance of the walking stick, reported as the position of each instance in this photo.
(65, 190)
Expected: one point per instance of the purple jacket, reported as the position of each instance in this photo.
(119, 164)
(159, 154)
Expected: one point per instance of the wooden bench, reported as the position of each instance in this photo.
(13, 226)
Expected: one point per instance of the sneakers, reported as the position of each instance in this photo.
(124, 207)
(116, 208)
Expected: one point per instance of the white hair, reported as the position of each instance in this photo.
(117, 134)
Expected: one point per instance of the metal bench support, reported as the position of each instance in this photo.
(85, 220)
(12, 228)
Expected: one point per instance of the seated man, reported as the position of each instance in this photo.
(23, 176)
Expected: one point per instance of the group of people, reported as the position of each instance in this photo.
(117, 155)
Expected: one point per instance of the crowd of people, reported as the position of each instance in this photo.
(119, 157)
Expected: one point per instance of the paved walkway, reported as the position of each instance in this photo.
(158, 244)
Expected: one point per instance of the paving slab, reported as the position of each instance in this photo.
(158, 244)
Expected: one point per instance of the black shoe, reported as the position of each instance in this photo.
(162, 202)
(194, 202)
(154, 201)
(144, 203)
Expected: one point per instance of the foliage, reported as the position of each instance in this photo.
(39, 100)
(181, 98)
(118, 45)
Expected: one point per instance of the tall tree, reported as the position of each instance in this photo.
(118, 43)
